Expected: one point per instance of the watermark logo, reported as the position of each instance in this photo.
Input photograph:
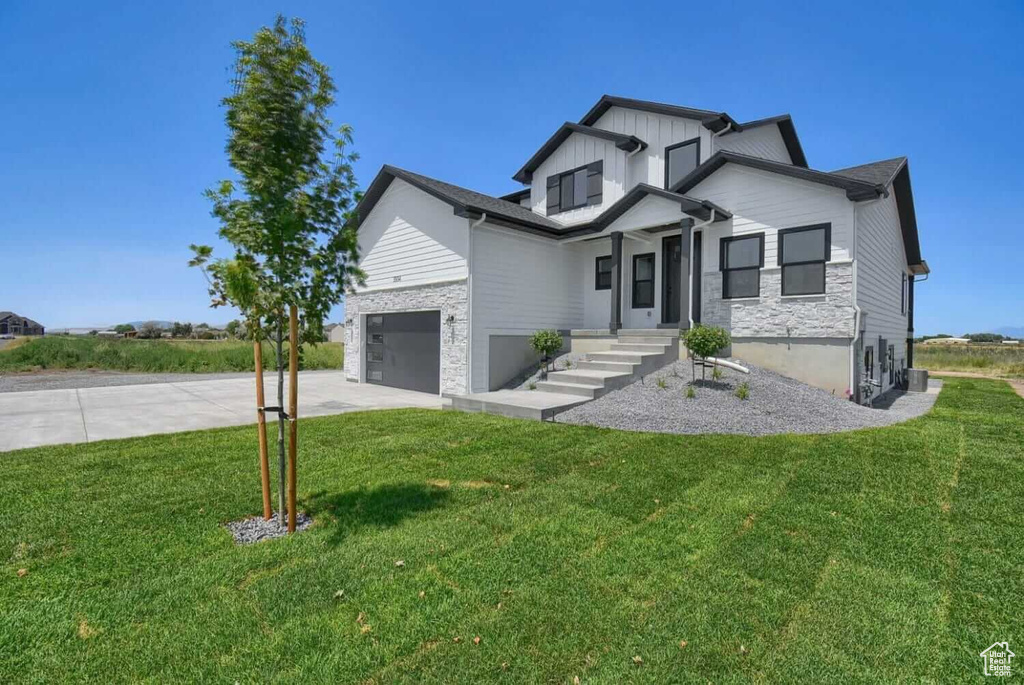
(997, 659)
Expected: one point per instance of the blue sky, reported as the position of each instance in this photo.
(112, 125)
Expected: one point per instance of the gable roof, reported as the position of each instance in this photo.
(621, 140)
(470, 203)
(28, 322)
(788, 132)
(713, 121)
(864, 182)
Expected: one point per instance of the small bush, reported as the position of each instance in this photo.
(690, 392)
(716, 374)
(743, 391)
(661, 384)
(546, 343)
(533, 386)
(705, 341)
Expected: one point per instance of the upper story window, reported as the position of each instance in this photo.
(803, 253)
(603, 273)
(740, 260)
(580, 187)
(680, 160)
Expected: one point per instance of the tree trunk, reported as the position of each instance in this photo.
(281, 504)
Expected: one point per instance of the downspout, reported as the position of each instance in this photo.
(629, 156)
(694, 229)
(469, 302)
(711, 146)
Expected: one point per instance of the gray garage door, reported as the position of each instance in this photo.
(404, 350)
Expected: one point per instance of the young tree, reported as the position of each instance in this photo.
(291, 225)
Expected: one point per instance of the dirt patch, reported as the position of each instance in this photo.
(478, 484)
(439, 483)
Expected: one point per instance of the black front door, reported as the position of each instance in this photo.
(671, 272)
(697, 272)
(404, 350)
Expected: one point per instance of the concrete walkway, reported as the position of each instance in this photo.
(51, 417)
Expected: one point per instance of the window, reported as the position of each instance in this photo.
(740, 260)
(680, 160)
(603, 273)
(882, 343)
(891, 363)
(577, 188)
(803, 253)
(869, 362)
(643, 281)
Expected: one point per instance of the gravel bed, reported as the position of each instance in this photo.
(63, 380)
(776, 404)
(561, 363)
(256, 529)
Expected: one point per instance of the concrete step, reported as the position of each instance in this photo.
(620, 367)
(640, 347)
(587, 376)
(649, 339)
(520, 404)
(587, 391)
(622, 357)
(666, 332)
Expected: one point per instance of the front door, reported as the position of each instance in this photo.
(671, 265)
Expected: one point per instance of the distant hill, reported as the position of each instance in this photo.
(1011, 331)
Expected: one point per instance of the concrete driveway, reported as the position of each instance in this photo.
(51, 417)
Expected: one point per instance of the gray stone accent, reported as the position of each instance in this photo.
(773, 316)
(451, 298)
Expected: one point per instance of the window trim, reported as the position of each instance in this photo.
(595, 168)
(722, 246)
(634, 281)
(903, 293)
(597, 273)
(869, 361)
(826, 257)
(669, 148)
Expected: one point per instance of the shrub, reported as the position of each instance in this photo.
(743, 391)
(704, 342)
(546, 343)
(716, 374)
(690, 392)
(533, 386)
(661, 384)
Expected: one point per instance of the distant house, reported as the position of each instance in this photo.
(14, 324)
(336, 332)
(1011, 342)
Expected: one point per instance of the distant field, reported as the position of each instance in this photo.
(998, 360)
(153, 356)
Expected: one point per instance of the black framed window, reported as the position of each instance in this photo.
(603, 273)
(740, 261)
(580, 187)
(803, 253)
(890, 361)
(643, 281)
(680, 160)
(869, 362)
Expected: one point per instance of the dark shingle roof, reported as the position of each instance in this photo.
(621, 140)
(876, 173)
(714, 121)
(516, 196)
(788, 132)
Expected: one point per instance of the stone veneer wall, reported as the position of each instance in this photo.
(451, 298)
(773, 316)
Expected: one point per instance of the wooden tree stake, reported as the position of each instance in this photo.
(261, 420)
(293, 409)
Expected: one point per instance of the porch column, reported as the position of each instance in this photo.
(685, 300)
(615, 323)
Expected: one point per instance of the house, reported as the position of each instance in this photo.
(641, 216)
(335, 332)
(13, 324)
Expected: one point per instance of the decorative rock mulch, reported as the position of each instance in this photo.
(257, 529)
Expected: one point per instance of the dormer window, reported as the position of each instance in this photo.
(680, 160)
(580, 187)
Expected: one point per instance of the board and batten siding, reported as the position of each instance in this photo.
(881, 263)
(520, 284)
(578, 150)
(411, 238)
(658, 131)
(761, 141)
(761, 201)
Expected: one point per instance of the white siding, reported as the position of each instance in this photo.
(520, 284)
(761, 201)
(412, 238)
(881, 262)
(762, 141)
(576, 151)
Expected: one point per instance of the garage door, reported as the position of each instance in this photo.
(404, 350)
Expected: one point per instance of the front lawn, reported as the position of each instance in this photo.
(879, 555)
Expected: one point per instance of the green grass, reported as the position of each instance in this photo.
(878, 555)
(153, 356)
(998, 360)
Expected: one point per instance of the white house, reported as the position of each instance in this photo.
(641, 216)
